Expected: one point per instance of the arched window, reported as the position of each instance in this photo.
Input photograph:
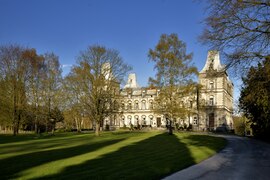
(122, 105)
(211, 85)
(151, 105)
(190, 103)
(136, 105)
(195, 120)
(211, 100)
(114, 120)
(143, 119)
(129, 105)
(143, 104)
(129, 119)
(203, 101)
(182, 104)
(136, 119)
(114, 105)
(123, 120)
(151, 119)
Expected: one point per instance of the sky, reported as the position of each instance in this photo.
(132, 27)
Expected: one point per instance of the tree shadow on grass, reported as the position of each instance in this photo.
(8, 138)
(44, 143)
(10, 167)
(211, 142)
(152, 158)
(24, 138)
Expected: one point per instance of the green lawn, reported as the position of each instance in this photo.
(113, 155)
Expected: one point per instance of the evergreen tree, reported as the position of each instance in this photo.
(255, 98)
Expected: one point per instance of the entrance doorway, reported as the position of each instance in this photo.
(158, 122)
(211, 120)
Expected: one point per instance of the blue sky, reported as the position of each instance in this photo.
(132, 27)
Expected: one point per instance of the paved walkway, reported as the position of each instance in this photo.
(242, 159)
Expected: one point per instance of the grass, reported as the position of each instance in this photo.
(113, 155)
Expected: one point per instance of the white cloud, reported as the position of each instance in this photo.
(66, 65)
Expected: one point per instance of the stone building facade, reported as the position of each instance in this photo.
(210, 108)
(216, 94)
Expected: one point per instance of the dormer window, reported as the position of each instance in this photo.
(211, 85)
(211, 66)
(211, 101)
(190, 104)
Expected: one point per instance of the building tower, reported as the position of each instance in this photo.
(216, 94)
(132, 81)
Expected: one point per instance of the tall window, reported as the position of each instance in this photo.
(114, 120)
(151, 119)
(151, 104)
(129, 119)
(190, 104)
(123, 120)
(143, 104)
(136, 119)
(211, 85)
(195, 120)
(182, 105)
(114, 105)
(144, 120)
(211, 101)
(129, 105)
(136, 105)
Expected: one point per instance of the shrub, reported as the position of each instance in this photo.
(131, 127)
(107, 127)
(189, 128)
(177, 126)
(241, 126)
(185, 126)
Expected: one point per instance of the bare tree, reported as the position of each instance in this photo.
(173, 78)
(239, 28)
(52, 87)
(35, 86)
(28, 83)
(14, 74)
(74, 108)
(99, 73)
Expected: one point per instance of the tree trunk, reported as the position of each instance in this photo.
(36, 126)
(14, 129)
(97, 128)
(15, 126)
(46, 126)
(14, 110)
(170, 128)
(78, 125)
(53, 127)
(18, 126)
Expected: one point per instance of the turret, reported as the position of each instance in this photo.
(212, 62)
(132, 81)
(106, 70)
